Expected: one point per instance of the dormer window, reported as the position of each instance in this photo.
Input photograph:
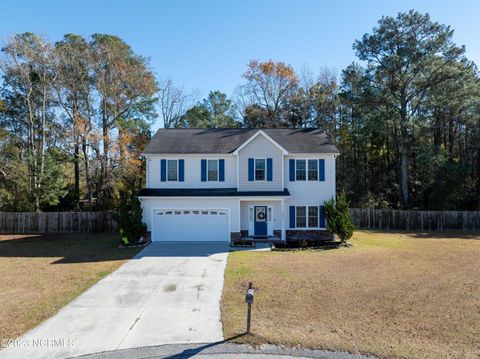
(260, 166)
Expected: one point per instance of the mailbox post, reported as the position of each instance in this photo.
(249, 301)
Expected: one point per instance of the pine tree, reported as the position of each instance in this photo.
(129, 219)
(338, 217)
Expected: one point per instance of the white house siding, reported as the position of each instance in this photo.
(313, 193)
(260, 147)
(232, 204)
(192, 171)
(276, 208)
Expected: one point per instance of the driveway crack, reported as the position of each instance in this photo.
(144, 308)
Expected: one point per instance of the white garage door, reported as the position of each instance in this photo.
(190, 225)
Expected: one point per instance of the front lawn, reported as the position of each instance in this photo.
(40, 274)
(414, 295)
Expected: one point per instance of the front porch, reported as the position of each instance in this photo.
(262, 220)
(266, 220)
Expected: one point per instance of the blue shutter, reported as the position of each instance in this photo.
(269, 169)
(292, 170)
(163, 170)
(321, 170)
(204, 170)
(322, 217)
(181, 170)
(292, 216)
(251, 169)
(221, 170)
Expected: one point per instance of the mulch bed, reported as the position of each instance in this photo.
(296, 246)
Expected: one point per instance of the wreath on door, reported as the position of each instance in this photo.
(261, 215)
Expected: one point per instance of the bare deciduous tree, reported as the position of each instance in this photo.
(27, 67)
(173, 102)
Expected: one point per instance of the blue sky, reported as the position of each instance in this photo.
(205, 45)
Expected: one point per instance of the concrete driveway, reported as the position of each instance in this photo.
(169, 293)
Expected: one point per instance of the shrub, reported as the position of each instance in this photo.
(129, 219)
(338, 218)
(303, 243)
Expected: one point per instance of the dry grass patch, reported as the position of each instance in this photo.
(41, 274)
(391, 294)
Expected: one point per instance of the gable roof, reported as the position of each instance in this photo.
(260, 133)
(227, 140)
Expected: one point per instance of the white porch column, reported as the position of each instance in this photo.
(283, 233)
(240, 215)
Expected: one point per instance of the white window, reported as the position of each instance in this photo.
(301, 217)
(312, 170)
(306, 170)
(313, 217)
(307, 217)
(172, 170)
(300, 170)
(260, 165)
(212, 169)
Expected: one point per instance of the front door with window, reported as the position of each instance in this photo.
(260, 221)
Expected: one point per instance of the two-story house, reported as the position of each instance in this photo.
(223, 184)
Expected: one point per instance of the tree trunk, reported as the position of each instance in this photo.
(404, 190)
(451, 138)
(105, 161)
(437, 132)
(76, 155)
(76, 165)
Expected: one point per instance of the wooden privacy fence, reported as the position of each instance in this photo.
(370, 218)
(57, 222)
(363, 218)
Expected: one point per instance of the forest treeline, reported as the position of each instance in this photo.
(76, 114)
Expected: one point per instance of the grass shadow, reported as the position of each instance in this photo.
(65, 248)
(98, 247)
(449, 235)
(429, 234)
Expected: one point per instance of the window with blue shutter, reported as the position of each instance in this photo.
(163, 170)
(292, 169)
(204, 170)
(292, 216)
(251, 169)
(181, 170)
(322, 217)
(269, 169)
(221, 170)
(321, 170)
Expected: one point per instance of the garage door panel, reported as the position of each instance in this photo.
(190, 225)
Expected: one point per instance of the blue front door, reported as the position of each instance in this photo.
(260, 220)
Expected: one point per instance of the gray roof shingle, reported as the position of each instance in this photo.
(227, 140)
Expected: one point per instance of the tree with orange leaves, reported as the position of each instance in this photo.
(269, 86)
